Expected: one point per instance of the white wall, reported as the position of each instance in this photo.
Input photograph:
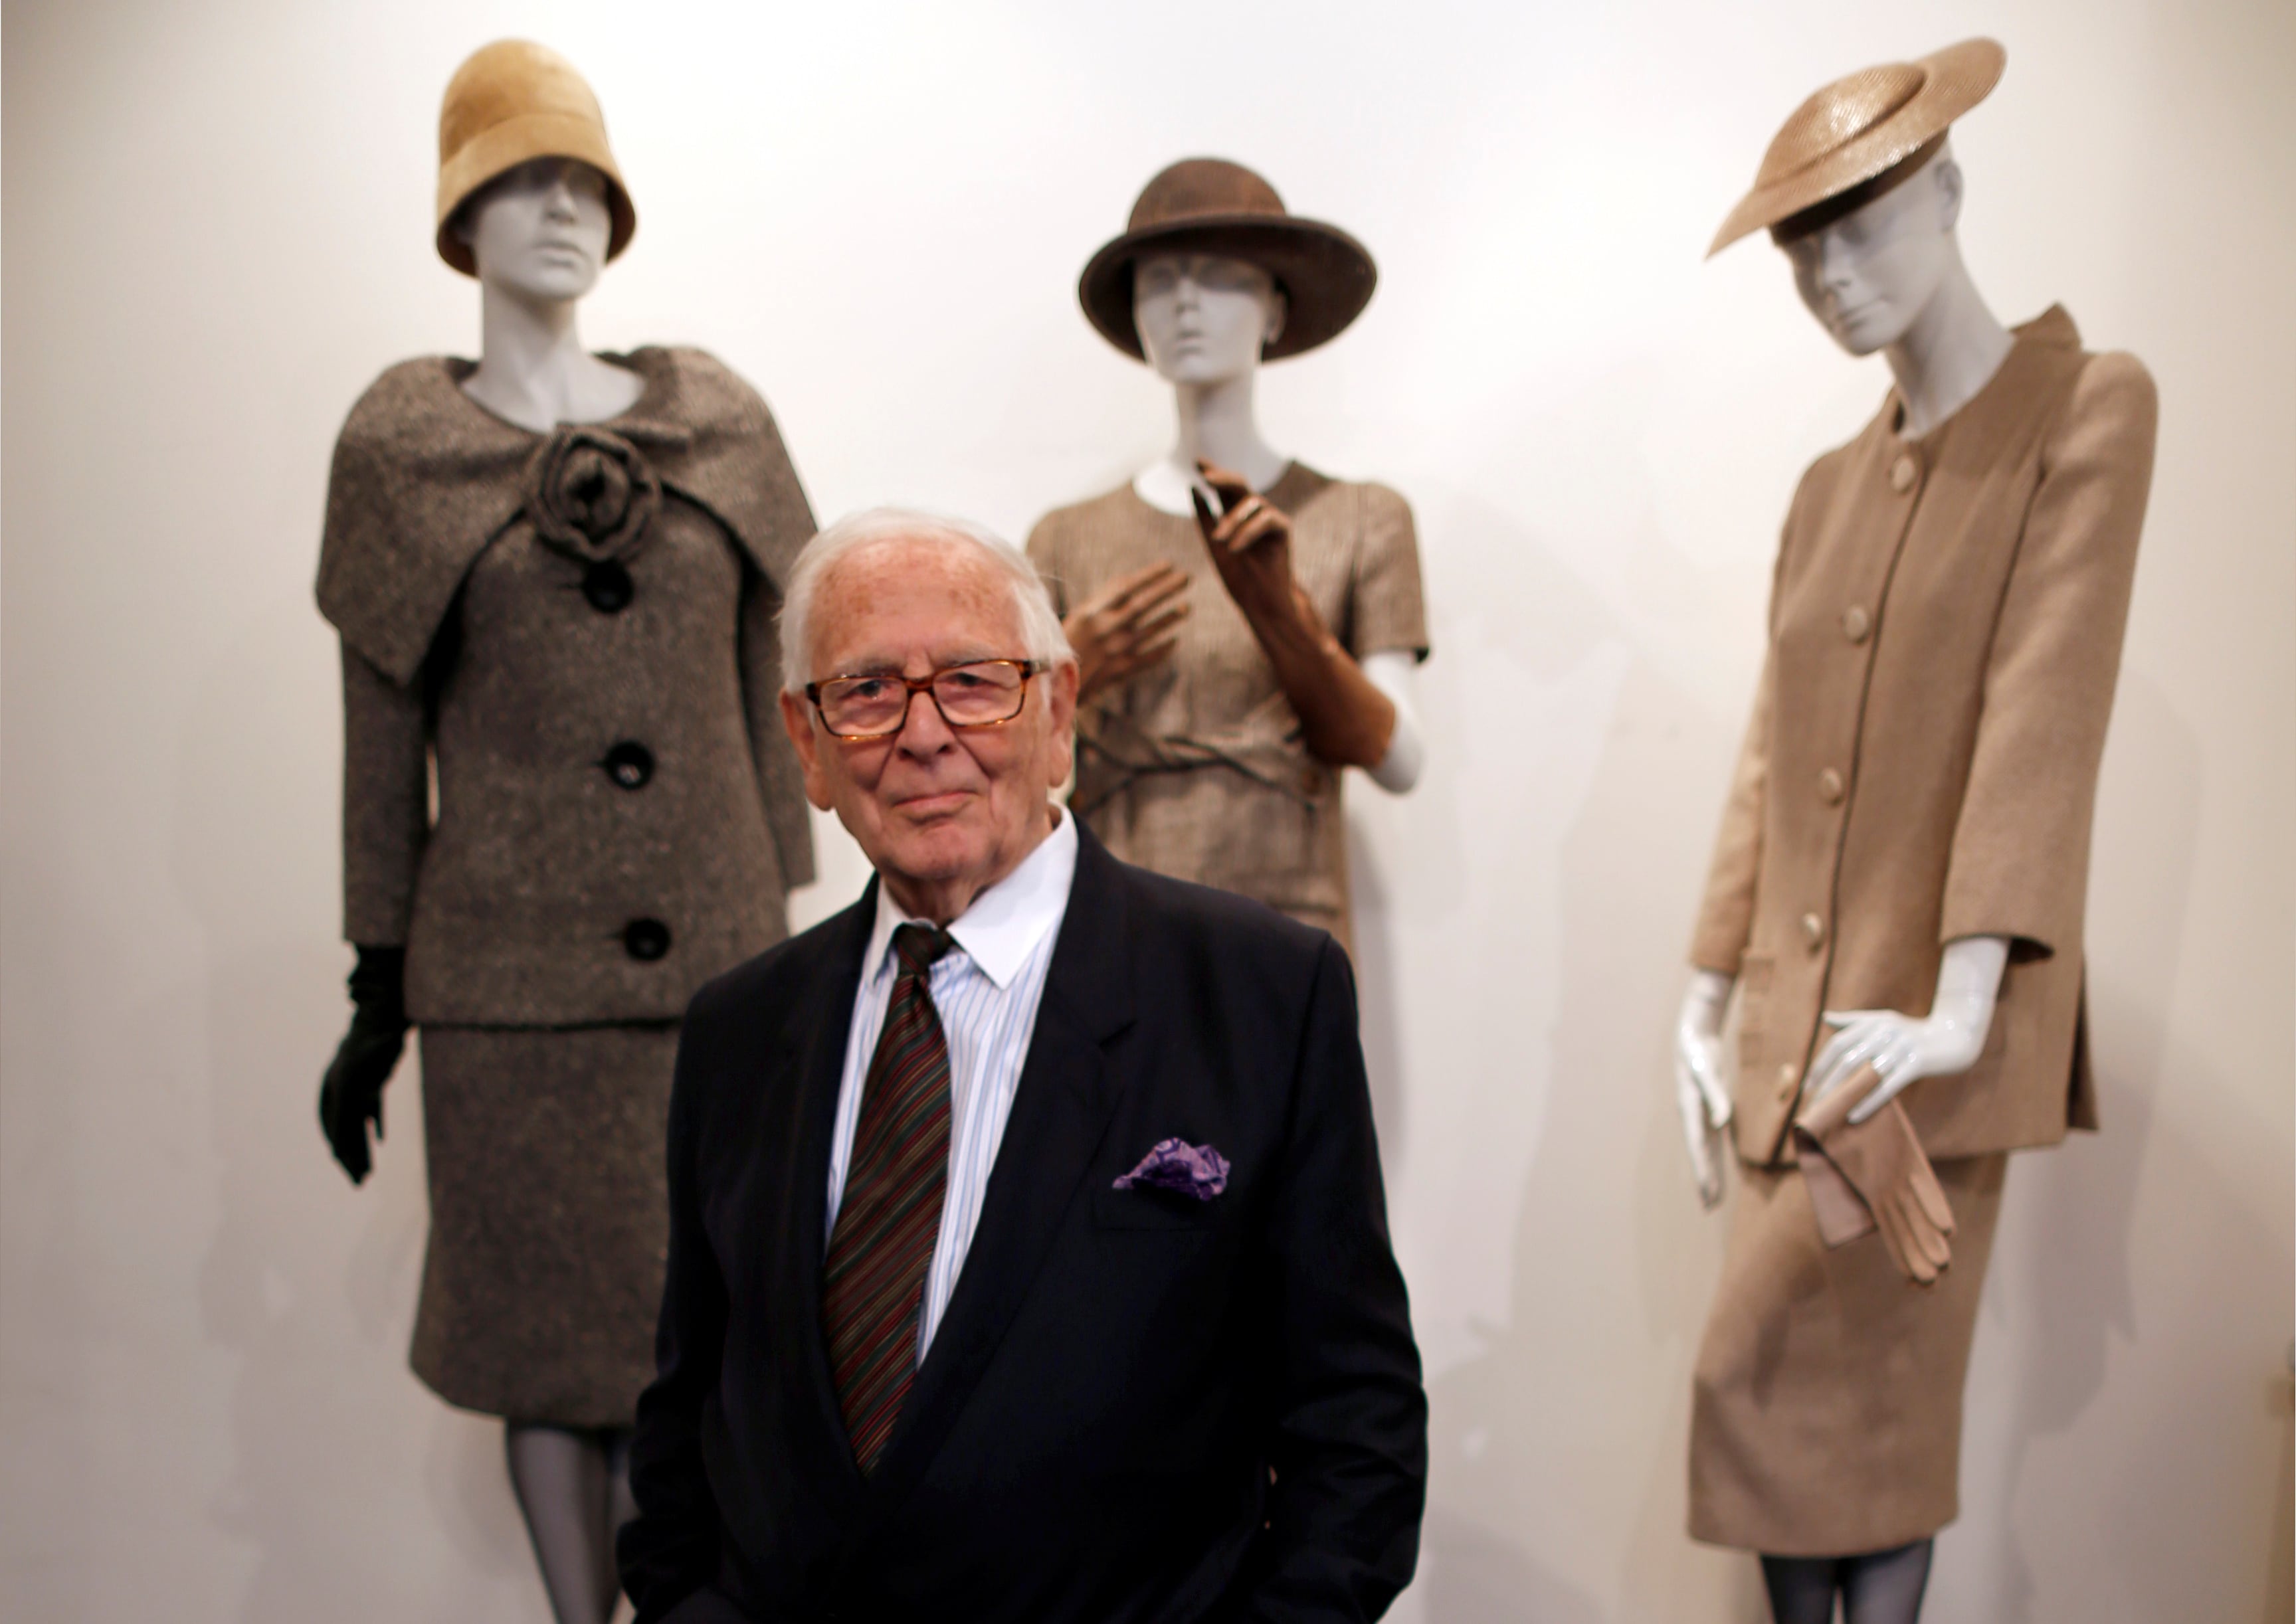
(216, 231)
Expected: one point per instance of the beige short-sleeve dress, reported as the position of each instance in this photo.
(1197, 769)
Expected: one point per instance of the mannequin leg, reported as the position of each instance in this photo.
(1882, 1587)
(566, 1483)
(1801, 1588)
(621, 1504)
(1886, 1587)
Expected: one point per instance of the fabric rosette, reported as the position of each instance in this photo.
(590, 494)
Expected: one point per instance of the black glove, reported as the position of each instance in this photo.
(351, 1094)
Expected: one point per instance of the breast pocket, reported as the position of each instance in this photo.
(1142, 1208)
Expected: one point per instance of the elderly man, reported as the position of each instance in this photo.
(1029, 1258)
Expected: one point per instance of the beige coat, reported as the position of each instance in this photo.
(1197, 769)
(575, 634)
(1944, 632)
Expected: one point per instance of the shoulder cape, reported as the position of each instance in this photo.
(424, 477)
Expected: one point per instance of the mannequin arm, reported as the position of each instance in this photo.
(1902, 1049)
(1699, 1091)
(781, 785)
(1389, 670)
(2020, 844)
(1346, 720)
(386, 802)
(1127, 626)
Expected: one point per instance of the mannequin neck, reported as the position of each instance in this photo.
(1951, 351)
(1216, 425)
(533, 370)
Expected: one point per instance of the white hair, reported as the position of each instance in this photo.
(1040, 626)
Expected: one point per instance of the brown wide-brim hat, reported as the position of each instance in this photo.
(1210, 206)
(1859, 129)
(512, 101)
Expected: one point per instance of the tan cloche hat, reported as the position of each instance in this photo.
(1861, 134)
(1210, 206)
(510, 101)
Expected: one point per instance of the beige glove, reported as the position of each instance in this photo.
(1873, 1175)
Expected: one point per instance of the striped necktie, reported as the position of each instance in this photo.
(890, 1219)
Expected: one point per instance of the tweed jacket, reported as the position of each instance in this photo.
(1197, 769)
(1945, 634)
(575, 634)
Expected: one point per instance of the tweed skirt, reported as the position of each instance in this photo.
(1826, 1419)
(549, 1219)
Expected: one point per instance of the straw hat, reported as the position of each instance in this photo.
(1861, 134)
(1210, 206)
(512, 101)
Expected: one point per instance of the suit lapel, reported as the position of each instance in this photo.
(823, 1073)
(1059, 1113)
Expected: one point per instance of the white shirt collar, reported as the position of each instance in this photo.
(1005, 922)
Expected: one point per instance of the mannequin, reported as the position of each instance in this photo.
(538, 236)
(1908, 830)
(1203, 320)
(1204, 287)
(1888, 276)
(553, 574)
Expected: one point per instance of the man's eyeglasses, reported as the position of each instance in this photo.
(984, 693)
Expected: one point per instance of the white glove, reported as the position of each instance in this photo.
(1699, 1088)
(1904, 1049)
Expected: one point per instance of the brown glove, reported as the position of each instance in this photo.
(1873, 1176)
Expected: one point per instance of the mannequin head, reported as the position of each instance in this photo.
(539, 232)
(1868, 275)
(1204, 318)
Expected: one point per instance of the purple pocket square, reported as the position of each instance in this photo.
(1190, 1170)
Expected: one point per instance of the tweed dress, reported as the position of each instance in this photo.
(1196, 768)
(567, 794)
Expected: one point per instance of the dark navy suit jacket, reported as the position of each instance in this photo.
(1139, 1406)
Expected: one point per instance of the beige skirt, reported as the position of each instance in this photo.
(549, 1219)
(1826, 1415)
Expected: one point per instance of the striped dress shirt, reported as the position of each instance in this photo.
(986, 990)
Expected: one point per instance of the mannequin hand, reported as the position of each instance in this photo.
(350, 1096)
(1130, 624)
(1903, 1049)
(1250, 542)
(1699, 1090)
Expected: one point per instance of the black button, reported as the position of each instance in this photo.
(629, 763)
(645, 940)
(608, 587)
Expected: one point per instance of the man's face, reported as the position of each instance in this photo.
(933, 806)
